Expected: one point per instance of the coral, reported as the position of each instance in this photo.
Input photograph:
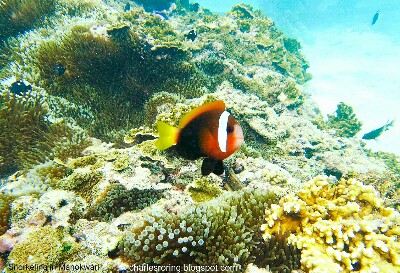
(337, 228)
(17, 16)
(82, 182)
(242, 11)
(205, 189)
(391, 160)
(101, 238)
(162, 99)
(5, 211)
(344, 121)
(121, 163)
(116, 199)
(291, 45)
(57, 208)
(44, 246)
(222, 232)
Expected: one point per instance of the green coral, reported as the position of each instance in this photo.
(5, 211)
(242, 11)
(391, 160)
(224, 231)
(44, 246)
(344, 121)
(291, 45)
(82, 182)
(204, 189)
(121, 163)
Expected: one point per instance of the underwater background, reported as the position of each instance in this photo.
(84, 84)
(351, 60)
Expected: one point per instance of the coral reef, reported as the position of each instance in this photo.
(338, 228)
(80, 94)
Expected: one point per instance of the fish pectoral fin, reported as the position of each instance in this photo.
(205, 141)
(168, 135)
(212, 166)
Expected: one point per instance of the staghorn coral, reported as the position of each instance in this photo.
(205, 234)
(337, 228)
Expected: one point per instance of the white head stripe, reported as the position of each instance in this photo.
(222, 132)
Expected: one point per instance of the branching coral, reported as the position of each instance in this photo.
(340, 228)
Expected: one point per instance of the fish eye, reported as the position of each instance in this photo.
(229, 129)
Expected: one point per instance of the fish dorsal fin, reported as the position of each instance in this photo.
(215, 105)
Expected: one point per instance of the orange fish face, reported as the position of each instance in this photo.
(235, 137)
(224, 140)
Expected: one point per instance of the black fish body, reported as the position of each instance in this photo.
(376, 16)
(377, 132)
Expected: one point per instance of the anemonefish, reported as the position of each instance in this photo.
(207, 131)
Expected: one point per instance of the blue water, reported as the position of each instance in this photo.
(350, 60)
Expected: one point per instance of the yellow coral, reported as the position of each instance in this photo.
(340, 228)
